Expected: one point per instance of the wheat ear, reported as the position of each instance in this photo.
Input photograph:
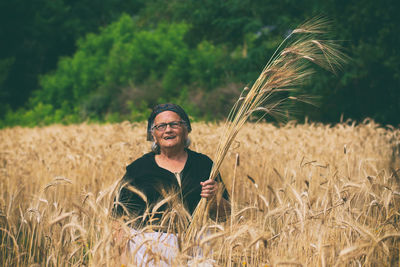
(288, 67)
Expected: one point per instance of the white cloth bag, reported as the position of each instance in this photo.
(157, 249)
(153, 248)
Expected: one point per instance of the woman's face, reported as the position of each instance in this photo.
(170, 137)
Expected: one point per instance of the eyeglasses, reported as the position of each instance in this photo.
(173, 124)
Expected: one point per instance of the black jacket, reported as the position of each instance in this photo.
(154, 182)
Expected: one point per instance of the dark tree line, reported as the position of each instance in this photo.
(35, 34)
(68, 61)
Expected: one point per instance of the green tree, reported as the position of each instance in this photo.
(35, 34)
(193, 52)
(123, 58)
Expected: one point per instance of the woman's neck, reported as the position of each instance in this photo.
(173, 154)
(174, 162)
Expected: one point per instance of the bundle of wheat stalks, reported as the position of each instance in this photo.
(287, 69)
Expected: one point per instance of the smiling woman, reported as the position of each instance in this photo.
(170, 134)
(170, 172)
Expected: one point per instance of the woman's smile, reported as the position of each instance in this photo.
(169, 137)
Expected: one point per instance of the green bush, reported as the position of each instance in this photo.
(122, 58)
(40, 115)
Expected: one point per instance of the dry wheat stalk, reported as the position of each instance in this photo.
(284, 72)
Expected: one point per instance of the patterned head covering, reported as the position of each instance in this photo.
(166, 107)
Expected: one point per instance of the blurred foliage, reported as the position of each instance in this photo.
(112, 60)
(35, 34)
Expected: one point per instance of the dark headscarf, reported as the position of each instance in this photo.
(166, 107)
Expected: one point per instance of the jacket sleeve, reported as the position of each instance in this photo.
(128, 201)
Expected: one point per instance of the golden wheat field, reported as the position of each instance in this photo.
(302, 194)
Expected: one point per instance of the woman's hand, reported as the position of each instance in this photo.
(208, 188)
